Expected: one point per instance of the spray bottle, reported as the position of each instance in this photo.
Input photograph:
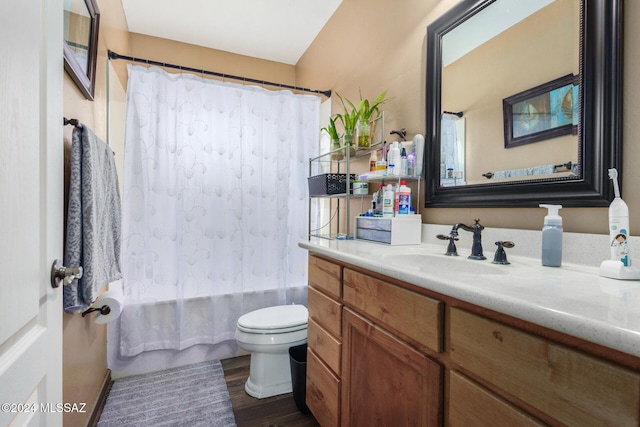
(552, 237)
(618, 223)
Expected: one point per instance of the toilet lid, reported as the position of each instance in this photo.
(281, 317)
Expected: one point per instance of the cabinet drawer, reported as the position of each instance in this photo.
(573, 388)
(408, 313)
(471, 405)
(323, 392)
(325, 275)
(324, 345)
(326, 311)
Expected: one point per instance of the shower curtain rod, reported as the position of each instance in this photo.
(114, 55)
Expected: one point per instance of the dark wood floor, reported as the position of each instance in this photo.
(273, 411)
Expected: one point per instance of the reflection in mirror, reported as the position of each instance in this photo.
(81, 22)
(453, 150)
(77, 29)
(508, 49)
(535, 88)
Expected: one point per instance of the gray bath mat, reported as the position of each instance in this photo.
(193, 395)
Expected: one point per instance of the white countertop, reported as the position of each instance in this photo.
(572, 299)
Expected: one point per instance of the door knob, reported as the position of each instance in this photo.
(66, 275)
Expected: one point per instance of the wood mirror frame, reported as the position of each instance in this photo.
(85, 80)
(600, 126)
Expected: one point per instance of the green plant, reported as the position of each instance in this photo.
(366, 109)
(350, 116)
(331, 130)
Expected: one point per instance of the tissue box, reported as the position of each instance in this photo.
(399, 230)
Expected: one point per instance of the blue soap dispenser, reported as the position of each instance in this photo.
(552, 237)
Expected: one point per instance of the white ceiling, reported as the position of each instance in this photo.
(277, 30)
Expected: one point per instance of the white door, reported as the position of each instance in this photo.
(31, 211)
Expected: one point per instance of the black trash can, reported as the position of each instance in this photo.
(298, 357)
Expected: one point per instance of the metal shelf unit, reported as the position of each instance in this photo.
(345, 198)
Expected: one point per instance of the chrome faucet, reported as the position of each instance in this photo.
(476, 247)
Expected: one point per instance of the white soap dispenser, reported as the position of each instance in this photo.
(552, 237)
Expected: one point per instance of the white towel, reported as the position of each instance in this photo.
(536, 170)
(93, 219)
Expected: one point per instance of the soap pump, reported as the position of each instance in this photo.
(552, 237)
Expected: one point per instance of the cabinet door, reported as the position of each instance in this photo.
(385, 382)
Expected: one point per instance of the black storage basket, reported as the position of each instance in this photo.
(329, 183)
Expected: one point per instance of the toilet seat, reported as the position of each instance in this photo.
(275, 320)
(272, 330)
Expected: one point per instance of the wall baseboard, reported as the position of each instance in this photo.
(102, 398)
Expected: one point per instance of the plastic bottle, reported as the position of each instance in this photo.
(379, 201)
(618, 223)
(418, 141)
(373, 160)
(394, 159)
(397, 194)
(374, 200)
(411, 164)
(403, 162)
(552, 237)
(388, 200)
(404, 198)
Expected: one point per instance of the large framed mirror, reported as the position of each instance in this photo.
(81, 24)
(557, 64)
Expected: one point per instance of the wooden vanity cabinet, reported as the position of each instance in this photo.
(388, 353)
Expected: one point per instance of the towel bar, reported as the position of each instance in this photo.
(73, 122)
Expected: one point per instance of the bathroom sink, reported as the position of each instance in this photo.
(439, 263)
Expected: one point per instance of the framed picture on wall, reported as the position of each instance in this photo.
(543, 112)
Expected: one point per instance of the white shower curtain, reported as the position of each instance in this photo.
(214, 205)
(449, 142)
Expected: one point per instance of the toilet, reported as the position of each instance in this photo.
(267, 334)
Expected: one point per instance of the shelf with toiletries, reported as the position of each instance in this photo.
(328, 181)
(368, 185)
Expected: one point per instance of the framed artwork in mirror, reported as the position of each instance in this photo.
(543, 112)
(81, 23)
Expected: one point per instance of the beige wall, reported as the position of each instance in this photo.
(177, 53)
(380, 44)
(84, 341)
